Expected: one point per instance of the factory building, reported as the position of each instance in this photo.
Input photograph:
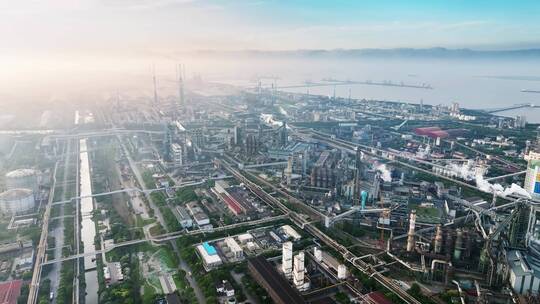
(23, 179)
(330, 263)
(234, 206)
(201, 219)
(16, 201)
(290, 232)
(322, 177)
(236, 250)
(524, 266)
(183, 217)
(532, 178)
(234, 202)
(209, 256)
(277, 287)
(10, 291)
(523, 278)
(252, 145)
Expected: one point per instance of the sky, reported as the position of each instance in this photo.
(163, 26)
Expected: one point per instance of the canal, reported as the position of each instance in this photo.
(88, 227)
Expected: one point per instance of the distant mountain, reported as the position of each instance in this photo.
(442, 53)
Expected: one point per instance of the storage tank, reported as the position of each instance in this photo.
(16, 201)
(23, 179)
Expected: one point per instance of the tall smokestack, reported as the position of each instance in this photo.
(289, 170)
(410, 238)
(459, 244)
(438, 240)
(155, 85)
(180, 85)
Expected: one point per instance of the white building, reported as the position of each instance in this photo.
(290, 232)
(299, 272)
(245, 238)
(287, 259)
(532, 179)
(177, 154)
(209, 256)
(236, 250)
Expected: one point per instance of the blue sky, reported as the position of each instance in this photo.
(178, 25)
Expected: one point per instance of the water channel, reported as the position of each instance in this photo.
(88, 227)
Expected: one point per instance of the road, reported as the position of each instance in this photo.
(58, 232)
(166, 237)
(42, 245)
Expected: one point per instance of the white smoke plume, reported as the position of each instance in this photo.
(499, 189)
(386, 175)
(463, 171)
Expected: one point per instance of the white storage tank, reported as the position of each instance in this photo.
(16, 201)
(23, 179)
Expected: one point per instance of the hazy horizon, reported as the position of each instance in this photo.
(80, 51)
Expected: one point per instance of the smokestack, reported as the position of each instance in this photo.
(288, 170)
(438, 240)
(155, 85)
(459, 244)
(317, 253)
(180, 87)
(410, 238)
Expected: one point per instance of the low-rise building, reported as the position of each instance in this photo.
(209, 256)
(287, 229)
(235, 249)
(183, 217)
(200, 217)
(225, 288)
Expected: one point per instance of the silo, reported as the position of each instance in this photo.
(23, 179)
(16, 201)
